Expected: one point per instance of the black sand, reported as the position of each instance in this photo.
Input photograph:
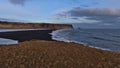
(27, 35)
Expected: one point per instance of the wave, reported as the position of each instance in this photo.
(56, 35)
(99, 38)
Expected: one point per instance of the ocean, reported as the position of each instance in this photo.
(4, 41)
(106, 39)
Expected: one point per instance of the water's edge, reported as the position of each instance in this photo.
(57, 37)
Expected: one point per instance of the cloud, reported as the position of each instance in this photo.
(94, 12)
(100, 15)
(85, 5)
(20, 2)
(75, 1)
(16, 12)
(95, 3)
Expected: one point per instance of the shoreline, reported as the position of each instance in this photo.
(37, 49)
(84, 44)
(42, 34)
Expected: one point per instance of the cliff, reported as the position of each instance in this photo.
(20, 25)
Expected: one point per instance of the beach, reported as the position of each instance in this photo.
(59, 34)
(37, 50)
(26, 35)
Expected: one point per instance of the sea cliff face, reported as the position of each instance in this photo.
(20, 25)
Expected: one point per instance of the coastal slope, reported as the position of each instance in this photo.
(53, 54)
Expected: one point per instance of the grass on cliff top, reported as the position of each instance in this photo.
(51, 54)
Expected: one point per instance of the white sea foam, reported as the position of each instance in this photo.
(56, 35)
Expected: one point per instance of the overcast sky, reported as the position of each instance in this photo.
(89, 13)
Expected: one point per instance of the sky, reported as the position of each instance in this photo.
(88, 13)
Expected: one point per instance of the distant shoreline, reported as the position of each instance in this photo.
(21, 25)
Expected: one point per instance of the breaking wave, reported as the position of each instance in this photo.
(105, 39)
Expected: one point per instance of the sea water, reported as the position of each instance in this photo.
(4, 41)
(107, 39)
